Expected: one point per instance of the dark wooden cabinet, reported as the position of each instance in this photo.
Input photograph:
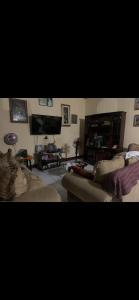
(104, 135)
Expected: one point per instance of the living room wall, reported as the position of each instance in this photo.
(27, 141)
(103, 105)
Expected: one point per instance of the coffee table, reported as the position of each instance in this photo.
(81, 165)
(78, 164)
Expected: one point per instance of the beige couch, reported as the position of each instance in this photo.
(82, 189)
(39, 192)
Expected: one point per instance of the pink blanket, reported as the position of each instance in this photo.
(120, 182)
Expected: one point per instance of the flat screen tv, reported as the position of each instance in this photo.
(41, 124)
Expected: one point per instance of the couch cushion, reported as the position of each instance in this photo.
(107, 166)
(43, 194)
(36, 183)
(131, 160)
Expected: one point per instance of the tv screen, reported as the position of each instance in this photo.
(41, 124)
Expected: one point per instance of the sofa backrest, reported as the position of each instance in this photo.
(107, 166)
(133, 147)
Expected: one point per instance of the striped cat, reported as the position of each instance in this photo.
(8, 173)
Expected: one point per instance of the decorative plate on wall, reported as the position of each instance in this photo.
(74, 119)
(10, 139)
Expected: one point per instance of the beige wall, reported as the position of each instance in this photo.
(102, 105)
(79, 106)
(27, 141)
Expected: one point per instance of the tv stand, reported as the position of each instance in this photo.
(46, 160)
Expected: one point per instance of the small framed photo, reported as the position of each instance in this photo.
(136, 106)
(65, 115)
(136, 120)
(18, 110)
(74, 119)
(43, 101)
(50, 102)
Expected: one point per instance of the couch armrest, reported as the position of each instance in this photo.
(84, 189)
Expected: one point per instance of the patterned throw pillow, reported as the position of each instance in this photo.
(107, 166)
(8, 172)
(131, 160)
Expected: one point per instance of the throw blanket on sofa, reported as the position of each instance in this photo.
(120, 182)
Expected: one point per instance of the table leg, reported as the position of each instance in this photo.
(26, 162)
(30, 165)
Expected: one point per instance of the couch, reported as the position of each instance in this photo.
(85, 190)
(82, 189)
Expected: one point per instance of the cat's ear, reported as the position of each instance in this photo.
(8, 155)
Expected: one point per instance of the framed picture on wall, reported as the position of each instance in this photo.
(43, 101)
(65, 115)
(18, 110)
(74, 119)
(136, 120)
(136, 106)
(50, 102)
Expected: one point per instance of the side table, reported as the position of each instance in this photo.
(27, 160)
